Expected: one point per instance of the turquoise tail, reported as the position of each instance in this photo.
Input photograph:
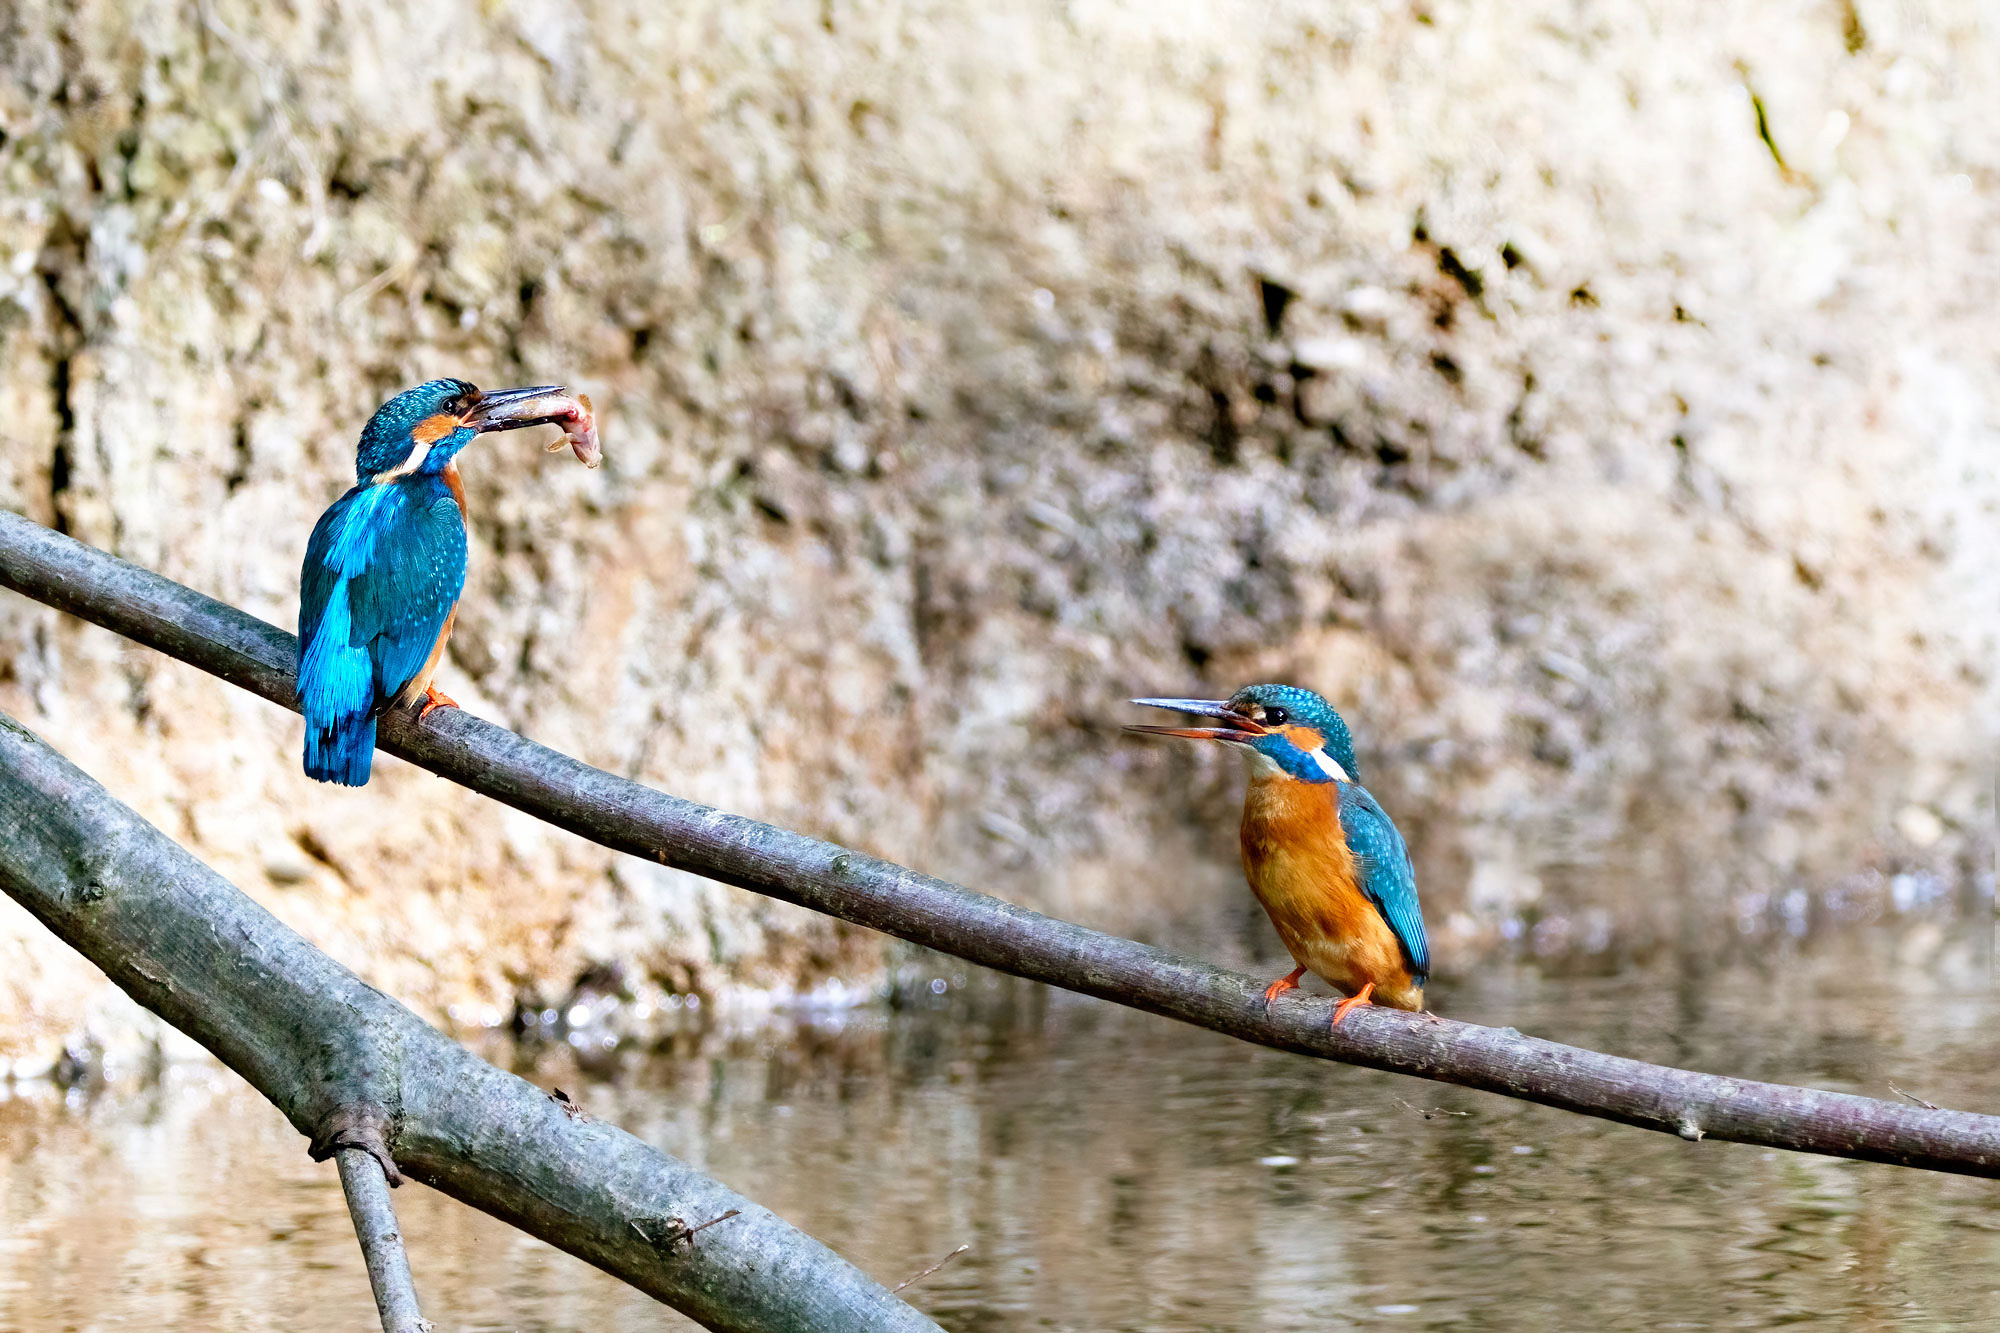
(342, 751)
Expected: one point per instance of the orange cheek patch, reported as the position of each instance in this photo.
(1306, 738)
(432, 429)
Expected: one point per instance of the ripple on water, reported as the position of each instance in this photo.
(1109, 1171)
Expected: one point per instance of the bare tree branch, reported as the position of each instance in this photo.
(1912, 1097)
(366, 1078)
(365, 1182)
(629, 817)
(912, 1281)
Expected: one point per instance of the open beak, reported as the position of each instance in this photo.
(1236, 727)
(511, 409)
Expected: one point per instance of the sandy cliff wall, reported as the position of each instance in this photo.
(1627, 474)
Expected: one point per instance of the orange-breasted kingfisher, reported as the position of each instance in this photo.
(1321, 855)
(385, 567)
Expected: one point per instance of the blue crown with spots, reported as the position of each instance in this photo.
(386, 440)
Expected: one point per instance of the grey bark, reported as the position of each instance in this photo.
(629, 817)
(323, 1046)
(365, 1181)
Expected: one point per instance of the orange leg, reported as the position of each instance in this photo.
(1290, 981)
(1359, 997)
(434, 698)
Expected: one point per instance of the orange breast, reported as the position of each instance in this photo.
(1298, 863)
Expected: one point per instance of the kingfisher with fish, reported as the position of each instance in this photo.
(385, 565)
(1321, 854)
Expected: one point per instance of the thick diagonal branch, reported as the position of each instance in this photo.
(340, 1058)
(630, 817)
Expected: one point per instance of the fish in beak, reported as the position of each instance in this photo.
(511, 409)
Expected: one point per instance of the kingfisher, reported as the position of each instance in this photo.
(1320, 853)
(385, 566)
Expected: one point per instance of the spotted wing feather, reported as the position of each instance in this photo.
(401, 599)
(1382, 864)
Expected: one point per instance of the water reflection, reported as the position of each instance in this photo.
(1109, 1171)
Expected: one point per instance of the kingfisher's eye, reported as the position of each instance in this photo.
(1276, 717)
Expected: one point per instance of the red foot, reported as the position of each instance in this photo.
(1359, 997)
(1290, 981)
(434, 698)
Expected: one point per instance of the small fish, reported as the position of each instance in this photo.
(579, 422)
(571, 411)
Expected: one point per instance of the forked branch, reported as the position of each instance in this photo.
(361, 1075)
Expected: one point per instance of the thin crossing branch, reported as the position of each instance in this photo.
(365, 1182)
(629, 817)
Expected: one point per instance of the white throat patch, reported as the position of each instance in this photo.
(1260, 764)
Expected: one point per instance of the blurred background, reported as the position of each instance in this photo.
(1599, 403)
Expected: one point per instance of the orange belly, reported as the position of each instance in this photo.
(1299, 866)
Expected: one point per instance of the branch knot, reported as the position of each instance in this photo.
(362, 1125)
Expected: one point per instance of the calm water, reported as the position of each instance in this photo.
(1109, 1171)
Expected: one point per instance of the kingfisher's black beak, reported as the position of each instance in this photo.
(1236, 727)
(511, 409)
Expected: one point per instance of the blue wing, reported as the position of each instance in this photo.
(1385, 873)
(383, 570)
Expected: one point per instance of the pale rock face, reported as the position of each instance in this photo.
(967, 369)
